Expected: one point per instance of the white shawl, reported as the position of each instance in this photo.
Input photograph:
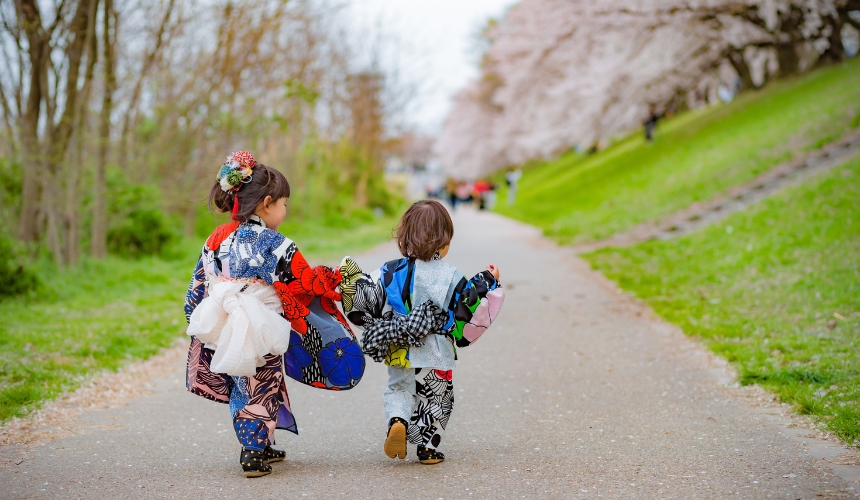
(239, 320)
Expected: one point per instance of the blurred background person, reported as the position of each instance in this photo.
(512, 178)
(464, 192)
(651, 125)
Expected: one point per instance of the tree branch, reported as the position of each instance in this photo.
(74, 54)
(57, 19)
(7, 112)
(148, 61)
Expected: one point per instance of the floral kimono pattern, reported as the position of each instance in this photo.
(323, 351)
(420, 388)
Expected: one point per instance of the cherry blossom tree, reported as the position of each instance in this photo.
(565, 73)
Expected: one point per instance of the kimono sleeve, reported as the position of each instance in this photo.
(298, 284)
(196, 288)
(474, 306)
(323, 352)
(364, 295)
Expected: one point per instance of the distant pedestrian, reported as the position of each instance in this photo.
(451, 192)
(479, 193)
(414, 311)
(253, 297)
(512, 178)
(651, 125)
(464, 192)
(489, 197)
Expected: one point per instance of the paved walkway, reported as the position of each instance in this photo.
(576, 392)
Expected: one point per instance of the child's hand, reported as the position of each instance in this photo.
(494, 271)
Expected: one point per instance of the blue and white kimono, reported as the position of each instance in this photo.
(322, 350)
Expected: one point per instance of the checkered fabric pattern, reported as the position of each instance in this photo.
(399, 329)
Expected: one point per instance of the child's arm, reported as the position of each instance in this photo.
(196, 288)
(474, 306)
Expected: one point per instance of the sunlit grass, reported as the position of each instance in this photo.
(775, 290)
(695, 156)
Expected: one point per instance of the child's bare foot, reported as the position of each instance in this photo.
(395, 443)
(429, 456)
(494, 270)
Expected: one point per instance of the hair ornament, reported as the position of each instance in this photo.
(237, 170)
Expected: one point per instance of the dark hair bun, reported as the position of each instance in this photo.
(265, 181)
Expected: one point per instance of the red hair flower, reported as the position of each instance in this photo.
(245, 160)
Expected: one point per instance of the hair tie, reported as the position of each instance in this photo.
(235, 213)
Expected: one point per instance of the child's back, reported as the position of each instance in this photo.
(257, 311)
(429, 307)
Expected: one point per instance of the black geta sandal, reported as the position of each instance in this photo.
(254, 463)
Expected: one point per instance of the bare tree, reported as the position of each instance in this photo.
(99, 222)
(184, 82)
(51, 90)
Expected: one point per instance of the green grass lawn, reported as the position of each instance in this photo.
(102, 315)
(695, 156)
(774, 289)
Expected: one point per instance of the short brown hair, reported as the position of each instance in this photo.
(265, 181)
(424, 229)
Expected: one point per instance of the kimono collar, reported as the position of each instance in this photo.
(256, 220)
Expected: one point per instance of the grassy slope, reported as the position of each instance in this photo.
(696, 155)
(103, 315)
(775, 289)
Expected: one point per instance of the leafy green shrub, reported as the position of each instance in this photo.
(11, 186)
(15, 279)
(142, 232)
(138, 225)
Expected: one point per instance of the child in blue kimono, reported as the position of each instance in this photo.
(414, 313)
(257, 311)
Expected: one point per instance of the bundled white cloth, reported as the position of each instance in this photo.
(239, 320)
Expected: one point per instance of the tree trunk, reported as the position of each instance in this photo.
(836, 51)
(55, 138)
(53, 229)
(788, 39)
(736, 58)
(361, 189)
(38, 48)
(99, 224)
(789, 62)
(28, 227)
(71, 209)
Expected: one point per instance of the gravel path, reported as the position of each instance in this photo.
(576, 392)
